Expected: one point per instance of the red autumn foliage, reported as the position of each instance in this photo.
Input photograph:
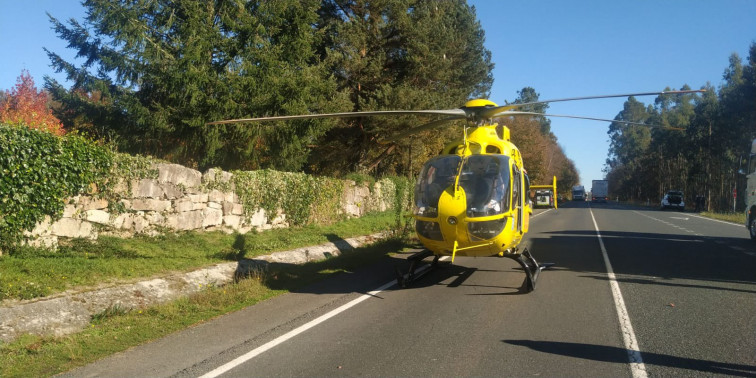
(24, 105)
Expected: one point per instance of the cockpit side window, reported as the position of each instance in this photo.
(436, 176)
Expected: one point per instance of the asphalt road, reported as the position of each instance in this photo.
(656, 294)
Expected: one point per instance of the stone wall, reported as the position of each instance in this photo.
(179, 200)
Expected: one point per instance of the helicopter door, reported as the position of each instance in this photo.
(517, 196)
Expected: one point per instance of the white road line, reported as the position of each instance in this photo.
(637, 367)
(719, 221)
(542, 212)
(291, 334)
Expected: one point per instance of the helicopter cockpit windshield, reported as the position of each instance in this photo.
(485, 180)
(437, 175)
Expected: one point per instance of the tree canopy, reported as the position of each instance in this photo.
(155, 72)
(26, 106)
(701, 160)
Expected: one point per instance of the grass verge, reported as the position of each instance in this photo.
(34, 272)
(729, 217)
(117, 329)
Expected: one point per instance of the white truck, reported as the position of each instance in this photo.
(750, 212)
(578, 193)
(600, 191)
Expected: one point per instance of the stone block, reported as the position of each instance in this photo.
(42, 228)
(155, 218)
(183, 205)
(212, 217)
(69, 211)
(140, 224)
(214, 205)
(199, 197)
(97, 216)
(150, 204)
(258, 219)
(238, 209)
(119, 220)
(172, 191)
(230, 197)
(179, 175)
(190, 220)
(216, 196)
(147, 188)
(89, 203)
(72, 228)
(233, 221)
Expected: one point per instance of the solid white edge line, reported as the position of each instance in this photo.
(637, 367)
(291, 334)
(716, 220)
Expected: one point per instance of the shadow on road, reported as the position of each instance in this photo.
(657, 256)
(619, 355)
(637, 257)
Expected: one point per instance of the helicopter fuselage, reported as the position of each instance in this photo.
(472, 199)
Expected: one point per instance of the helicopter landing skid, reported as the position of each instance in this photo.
(531, 267)
(405, 279)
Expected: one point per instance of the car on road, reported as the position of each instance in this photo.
(673, 200)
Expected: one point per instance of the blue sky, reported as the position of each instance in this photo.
(560, 48)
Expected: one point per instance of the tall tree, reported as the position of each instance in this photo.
(399, 54)
(162, 69)
(627, 143)
(25, 105)
(528, 95)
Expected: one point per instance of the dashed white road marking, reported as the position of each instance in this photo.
(637, 367)
(683, 229)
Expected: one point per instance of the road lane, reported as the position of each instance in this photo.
(690, 288)
(470, 319)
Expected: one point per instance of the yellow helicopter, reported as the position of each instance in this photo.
(473, 198)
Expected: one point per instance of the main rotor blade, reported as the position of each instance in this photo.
(427, 126)
(493, 112)
(449, 112)
(504, 114)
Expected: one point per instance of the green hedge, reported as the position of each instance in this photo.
(38, 171)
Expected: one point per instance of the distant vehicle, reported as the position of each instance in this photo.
(673, 200)
(544, 198)
(578, 193)
(600, 191)
(750, 213)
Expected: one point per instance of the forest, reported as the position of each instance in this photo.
(705, 157)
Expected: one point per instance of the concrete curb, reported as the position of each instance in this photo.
(71, 312)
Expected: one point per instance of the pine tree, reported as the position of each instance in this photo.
(399, 54)
(164, 69)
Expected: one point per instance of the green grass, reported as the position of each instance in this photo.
(730, 217)
(117, 329)
(33, 272)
